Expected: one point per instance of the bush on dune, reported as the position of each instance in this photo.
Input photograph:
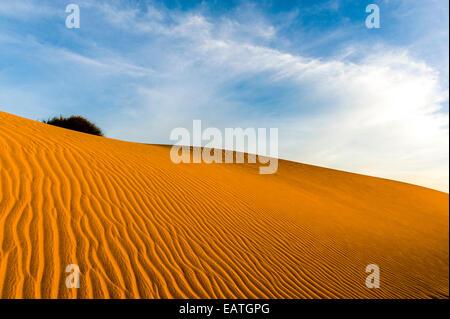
(75, 123)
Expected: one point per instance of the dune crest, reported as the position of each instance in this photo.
(139, 226)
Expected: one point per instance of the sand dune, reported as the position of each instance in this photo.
(140, 226)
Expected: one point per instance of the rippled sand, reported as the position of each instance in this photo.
(140, 226)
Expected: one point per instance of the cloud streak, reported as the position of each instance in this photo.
(380, 114)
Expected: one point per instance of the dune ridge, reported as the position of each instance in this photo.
(139, 226)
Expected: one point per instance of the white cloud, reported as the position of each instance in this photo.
(26, 9)
(380, 116)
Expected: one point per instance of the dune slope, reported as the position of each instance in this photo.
(139, 226)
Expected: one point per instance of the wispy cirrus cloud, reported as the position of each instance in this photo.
(154, 69)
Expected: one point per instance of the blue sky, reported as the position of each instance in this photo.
(372, 101)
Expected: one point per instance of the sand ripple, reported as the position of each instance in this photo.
(139, 226)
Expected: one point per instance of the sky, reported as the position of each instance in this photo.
(370, 101)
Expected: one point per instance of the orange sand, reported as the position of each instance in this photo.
(140, 226)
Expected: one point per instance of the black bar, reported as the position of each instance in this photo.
(234, 308)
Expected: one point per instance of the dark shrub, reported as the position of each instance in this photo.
(75, 123)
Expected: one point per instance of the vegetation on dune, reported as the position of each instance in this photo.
(75, 123)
